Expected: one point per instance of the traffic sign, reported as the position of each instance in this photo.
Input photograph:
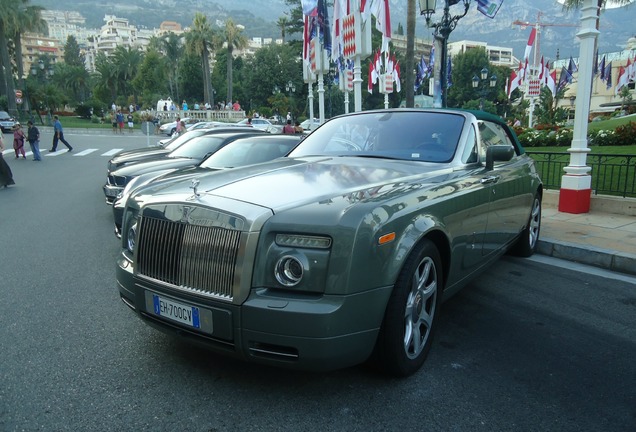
(18, 100)
(18, 94)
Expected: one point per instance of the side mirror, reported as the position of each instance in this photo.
(498, 153)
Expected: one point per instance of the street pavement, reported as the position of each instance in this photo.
(604, 237)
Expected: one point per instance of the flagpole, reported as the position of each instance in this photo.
(576, 184)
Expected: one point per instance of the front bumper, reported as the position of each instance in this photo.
(111, 192)
(308, 332)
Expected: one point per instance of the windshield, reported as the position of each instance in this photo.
(176, 142)
(407, 135)
(199, 147)
(248, 151)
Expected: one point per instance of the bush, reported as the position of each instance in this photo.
(625, 134)
(83, 111)
(602, 138)
(564, 137)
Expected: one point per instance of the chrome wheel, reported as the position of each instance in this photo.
(420, 308)
(534, 224)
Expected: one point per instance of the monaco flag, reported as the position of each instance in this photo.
(513, 83)
(622, 80)
(533, 35)
(551, 81)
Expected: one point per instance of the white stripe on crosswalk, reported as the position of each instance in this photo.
(57, 152)
(111, 152)
(85, 152)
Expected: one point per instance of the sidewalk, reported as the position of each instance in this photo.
(605, 237)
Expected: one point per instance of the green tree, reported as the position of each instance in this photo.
(30, 20)
(150, 80)
(172, 47)
(191, 77)
(296, 18)
(9, 22)
(282, 24)
(201, 41)
(626, 97)
(72, 53)
(127, 61)
(106, 83)
(546, 110)
(74, 80)
(235, 39)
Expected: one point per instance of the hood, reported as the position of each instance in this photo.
(154, 165)
(131, 155)
(289, 182)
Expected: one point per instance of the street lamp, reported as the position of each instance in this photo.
(290, 88)
(482, 79)
(442, 31)
(43, 76)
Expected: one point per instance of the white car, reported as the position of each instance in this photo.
(258, 123)
(309, 125)
(170, 128)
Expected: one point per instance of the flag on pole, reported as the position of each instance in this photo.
(396, 76)
(630, 69)
(339, 12)
(489, 7)
(541, 69)
(513, 83)
(601, 69)
(622, 80)
(449, 75)
(608, 75)
(533, 34)
(309, 7)
(572, 67)
(551, 82)
(372, 75)
(380, 10)
(595, 66)
(564, 78)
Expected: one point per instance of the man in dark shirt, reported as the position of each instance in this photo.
(33, 137)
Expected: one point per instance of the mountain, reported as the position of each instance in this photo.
(557, 35)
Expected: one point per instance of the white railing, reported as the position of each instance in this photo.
(229, 116)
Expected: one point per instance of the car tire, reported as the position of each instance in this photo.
(526, 245)
(406, 333)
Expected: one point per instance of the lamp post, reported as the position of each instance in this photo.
(482, 79)
(442, 31)
(290, 88)
(38, 71)
(331, 76)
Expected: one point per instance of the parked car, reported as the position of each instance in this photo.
(248, 150)
(7, 123)
(171, 127)
(340, 252)
(128, 157)
(258, 123)
(188, 154)
(309, 124)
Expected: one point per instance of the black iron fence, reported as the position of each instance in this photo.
(612, 174)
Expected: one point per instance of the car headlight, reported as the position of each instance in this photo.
(303, 241)
(131, 236)
(289, 271)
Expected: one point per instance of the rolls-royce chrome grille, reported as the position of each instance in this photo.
(196, 258)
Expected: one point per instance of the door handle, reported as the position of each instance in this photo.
(490, 179)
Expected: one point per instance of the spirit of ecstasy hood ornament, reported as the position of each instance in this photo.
(194, 185)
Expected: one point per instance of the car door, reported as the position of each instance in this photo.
(509, 199)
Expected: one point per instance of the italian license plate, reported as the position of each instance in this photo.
(179, 312)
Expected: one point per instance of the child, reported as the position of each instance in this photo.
(130, 122)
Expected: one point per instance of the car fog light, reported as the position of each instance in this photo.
(130, 239)
(289, 271)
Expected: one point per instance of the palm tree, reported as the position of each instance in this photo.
(106, 75)
(127, 60)
(200, 40)
(282, 24)
(234, 39)
(8, 22)
(171, 47)
(30, 20)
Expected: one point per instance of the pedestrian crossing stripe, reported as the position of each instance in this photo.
(85, 152)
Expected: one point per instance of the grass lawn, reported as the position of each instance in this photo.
(611, 124)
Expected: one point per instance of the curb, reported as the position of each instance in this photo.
(604, 258)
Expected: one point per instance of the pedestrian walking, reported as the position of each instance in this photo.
(6, 176)
(18, 142)
(33, 137)
(58, 135)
